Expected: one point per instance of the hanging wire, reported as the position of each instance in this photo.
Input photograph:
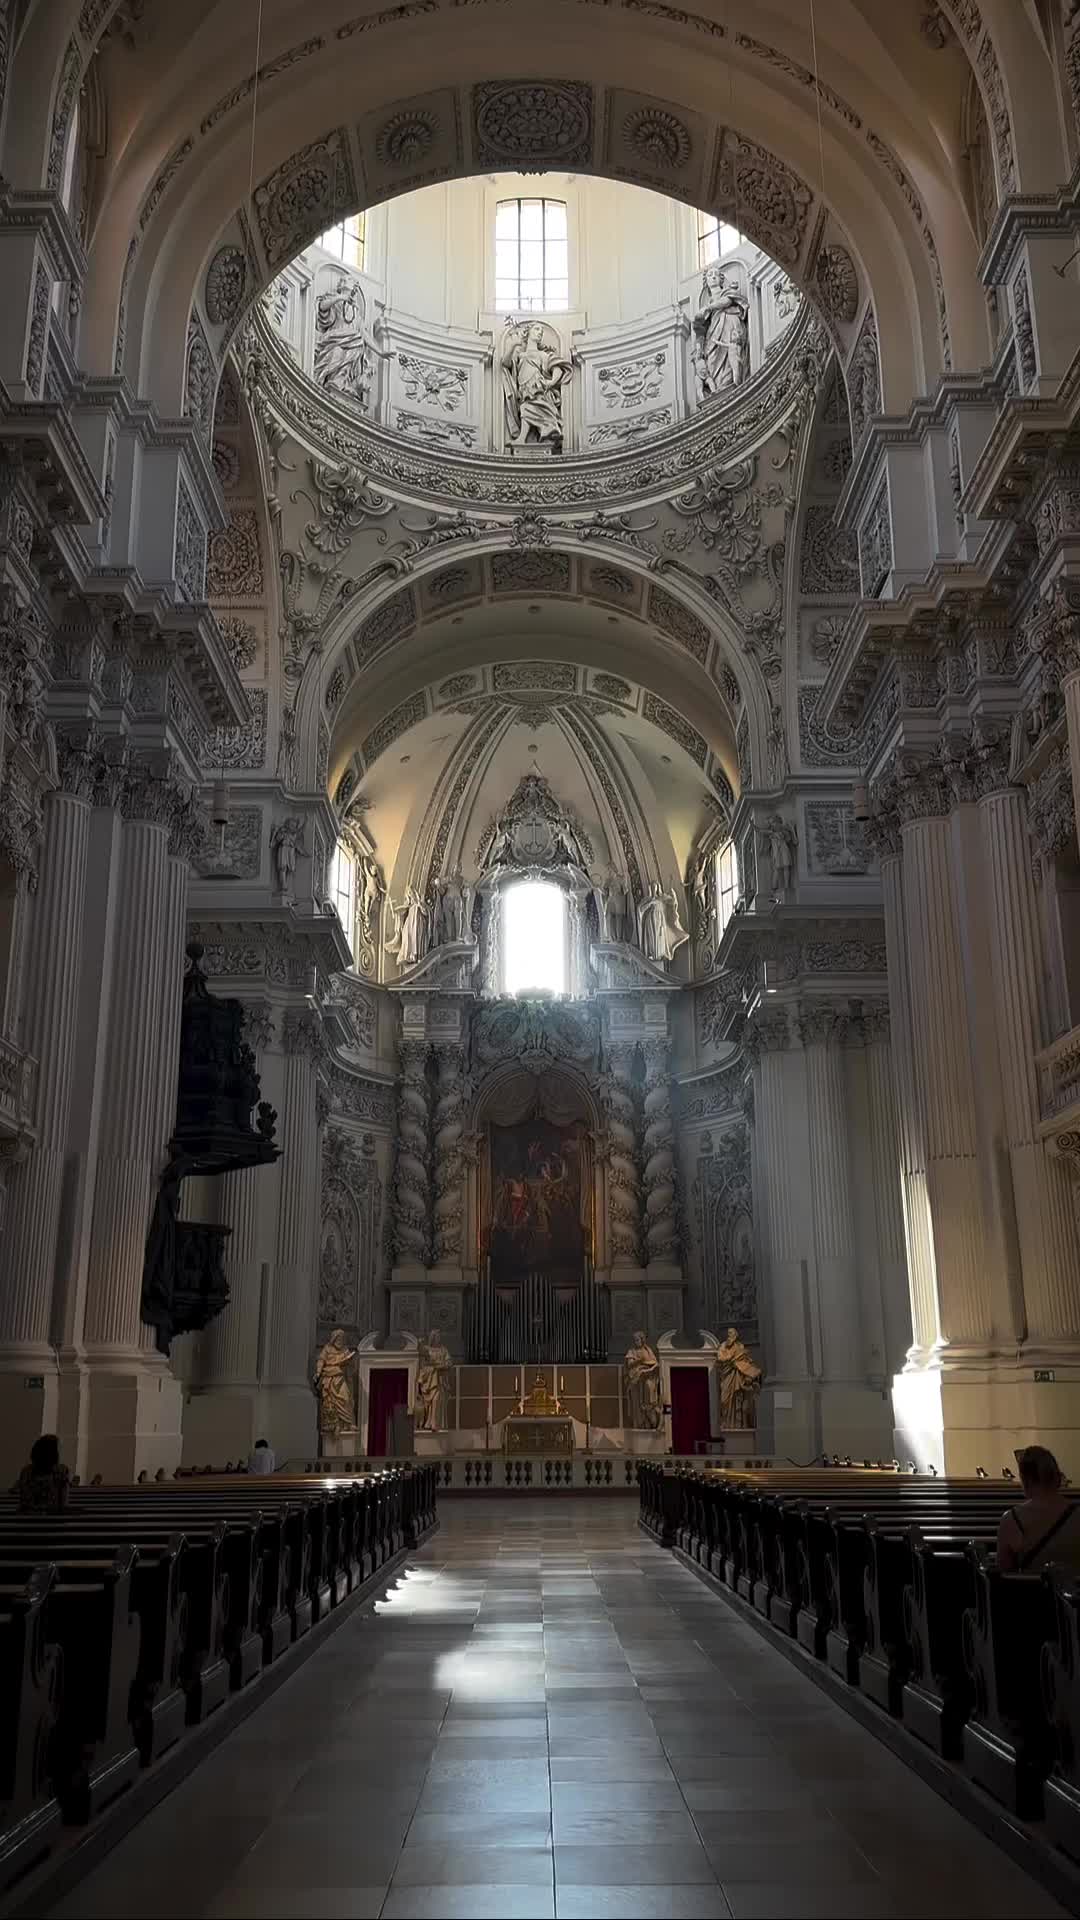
(730, 117)
(817, 98)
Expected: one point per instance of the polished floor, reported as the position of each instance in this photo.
(547, 1715)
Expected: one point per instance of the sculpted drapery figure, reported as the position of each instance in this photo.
(740, 1382)
(410, 938)
(337, 1408)
(777, 840)
(534, 374)
(433, 1385)
(286, 841)
(641, 1372)
(342, 363)
(721, 354)
(660, 930)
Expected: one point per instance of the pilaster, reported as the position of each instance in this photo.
(624, 1158)
(830, 1178)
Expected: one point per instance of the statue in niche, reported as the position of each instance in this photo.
(641, 1375)
(534, 374)
(777, 840)
(433, 1385)
(409, 940)
(337, 1409)
(740, 1382)
(454, 912)
(619, 908)
(659, 928)
(342, 361)
(286, 842)
(701, 884)
(721, 351)
(370, 889)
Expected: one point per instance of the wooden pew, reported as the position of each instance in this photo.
(30, 1696)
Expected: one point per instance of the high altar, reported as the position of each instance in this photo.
(541, 1426)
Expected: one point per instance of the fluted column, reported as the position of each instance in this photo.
(910, 1119)
(130, 1147)
(449, 1211)
(298, 1205)
(943, 1068)
(830, 1176)
(412, 1180)
(1046, 1222)
(624, 1149)
(778, 1208)
(659, 1179)
(54, 962)
(896, 1312)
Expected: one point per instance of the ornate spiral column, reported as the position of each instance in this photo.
(830, 1176)
(624, 1176)
(1046, 1222)
(659, 1179)
(412, 1180)
(910, 1119)
(943, 1063)
(449, 1212)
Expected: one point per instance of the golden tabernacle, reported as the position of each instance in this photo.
(540, 1425)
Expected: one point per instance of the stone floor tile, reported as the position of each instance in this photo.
(470, 1903)
(640, 1903)
(610, 1866)
(465, 1865)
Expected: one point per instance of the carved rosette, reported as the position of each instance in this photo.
(624, 1175)
(412, 1180)
(449, 1155)
(661, 1217)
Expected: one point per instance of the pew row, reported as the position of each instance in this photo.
(137, 1613)
(889, 1580)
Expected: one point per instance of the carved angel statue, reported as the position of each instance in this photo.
(778, 841)
(534, 374)
(342, 360)
(370, 891)
(740, 1382)
(660, 931)
(433, 1385)
(641, 1377)
(409, 940)
(337, 1409)
(286, 841)
(721, 351)
(702, 887)
(501, 851)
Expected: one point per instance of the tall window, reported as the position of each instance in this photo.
(727, 887)
(534, 937)
(531, 273)
(343, 890)
(346, 241)
(715, 238)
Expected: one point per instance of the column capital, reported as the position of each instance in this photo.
(817, 1025)
(1055, 628)
(301, 1033)
(1051, 809)
(768, 1031)
(922, 790)
(258, 1027)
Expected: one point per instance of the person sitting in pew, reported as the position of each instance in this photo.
(262, 1458)
(1045, 1527)
(42, 1486)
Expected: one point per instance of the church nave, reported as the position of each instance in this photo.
(549, 1715)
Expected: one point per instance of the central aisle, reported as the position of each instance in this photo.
(549, 1715)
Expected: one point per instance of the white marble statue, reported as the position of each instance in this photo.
(286, 842)
(409, 940)
(337, 1407)
(777, 840)
(370, 890)
(721, 352)
(342, 362)
(455, 904)
(641, 1376)
(433, 1385)
(534, 374)
(659, 928)
(619, 907)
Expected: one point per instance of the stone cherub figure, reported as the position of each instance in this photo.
(641, 1374)
(740, 1382)
(337, 1408)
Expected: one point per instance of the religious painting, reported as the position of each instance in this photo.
(536, 1183)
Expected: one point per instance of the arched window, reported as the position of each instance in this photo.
(346, 241)
(343, 892)
(534, 937)
(727, 886)
(531, 271)
(715, 238)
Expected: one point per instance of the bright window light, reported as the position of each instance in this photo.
(531, 271)
(534, 937)
(727, 886)
(346, 240)
(716, 239)
(343, 891)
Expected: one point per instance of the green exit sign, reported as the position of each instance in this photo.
(1044, 1376)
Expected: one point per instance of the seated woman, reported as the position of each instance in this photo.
(1045, 1527)
(42, 1486)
